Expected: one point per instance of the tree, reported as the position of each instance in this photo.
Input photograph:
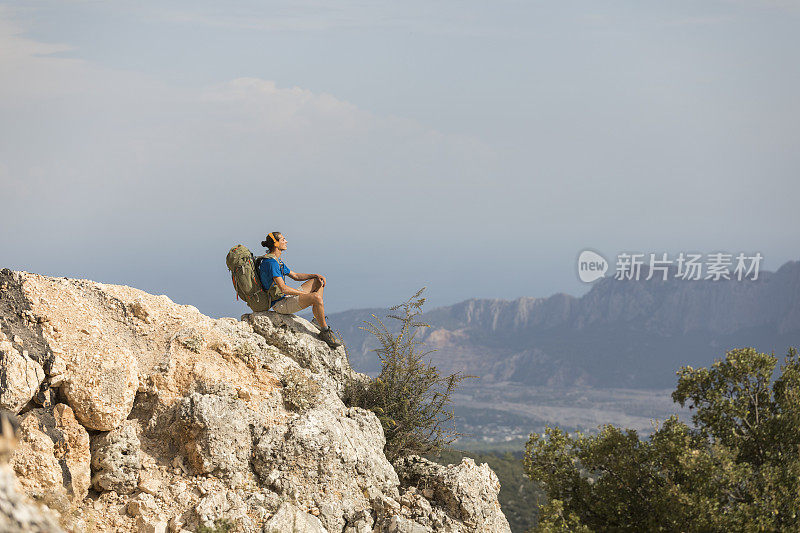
(409, 396)
(736, 469)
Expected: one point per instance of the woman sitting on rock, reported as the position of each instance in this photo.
(273, 270)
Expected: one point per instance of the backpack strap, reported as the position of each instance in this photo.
(274, 293)
(272, 256)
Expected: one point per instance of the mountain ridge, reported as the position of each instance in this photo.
(620, 333)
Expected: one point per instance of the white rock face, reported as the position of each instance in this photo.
(466, 492)
(101, 387)
(310, 455)
(206, 422)
(290, 518)
(297, 338)
(215, 432)
(20, 376)
(115, 459)
(18, 514)
(53, 454)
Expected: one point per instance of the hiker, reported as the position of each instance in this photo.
(273, 270)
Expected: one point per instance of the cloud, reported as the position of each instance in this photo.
(94, 151)
(119, 175)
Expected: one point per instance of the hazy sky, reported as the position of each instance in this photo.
(473, 147)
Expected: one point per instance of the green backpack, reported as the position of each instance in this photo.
(244, 273)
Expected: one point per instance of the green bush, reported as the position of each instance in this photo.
(409, 396)
(737, 469)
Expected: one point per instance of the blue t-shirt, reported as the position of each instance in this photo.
(270, 268)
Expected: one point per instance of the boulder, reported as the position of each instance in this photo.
(115, 459)
(214, 431)
(20, 376)
(466, 491)
(20, 515)
(322, 456)
(101, 387)
(53, 455)
(297, 338)
(290, 518)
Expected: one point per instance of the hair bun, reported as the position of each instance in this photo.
(264, 244)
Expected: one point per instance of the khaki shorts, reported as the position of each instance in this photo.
(288, 306)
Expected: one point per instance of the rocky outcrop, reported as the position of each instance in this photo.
(306, 349)
(20, 376)
(465, 492)
(197, 421)
(115, 459)
(308, 456)
(53, 456)
(101, 387)
(214, 430)
(18, 514)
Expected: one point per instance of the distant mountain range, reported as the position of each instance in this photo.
(620, 334)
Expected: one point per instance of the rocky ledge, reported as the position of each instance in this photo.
(136, 413)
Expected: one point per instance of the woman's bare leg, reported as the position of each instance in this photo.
(314, 299)
(310, 285)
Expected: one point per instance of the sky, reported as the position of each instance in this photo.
(475, 148)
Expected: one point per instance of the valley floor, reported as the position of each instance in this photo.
(496, 413)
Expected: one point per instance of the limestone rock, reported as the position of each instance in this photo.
(20, 377)
(359, 522)
(150, 486)
(101, 388)
(34, 460)
(466, 491)
(300, 391)
(297, 338)
(399, 524)
(115, 459)
(254, 406)
(318, 451)
(290, 518)
(214, 430)
(142, 505)
(53, 455)
(226, 506)
(18, 514)
(146, 524)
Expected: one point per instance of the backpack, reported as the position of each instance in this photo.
(246, 281)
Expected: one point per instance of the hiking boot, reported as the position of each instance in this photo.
(314, 321)
(328, 336)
